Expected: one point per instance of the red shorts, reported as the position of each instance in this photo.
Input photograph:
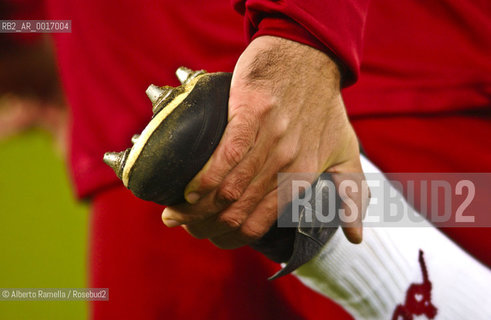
(153, 272)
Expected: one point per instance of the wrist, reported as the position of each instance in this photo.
(281, 26)
(272, 57)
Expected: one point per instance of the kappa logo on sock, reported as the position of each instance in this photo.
(418, 298)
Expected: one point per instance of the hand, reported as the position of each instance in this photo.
(286, 114)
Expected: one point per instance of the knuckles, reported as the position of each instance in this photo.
(234, 185)
(241, 139)
(228, 193)
(234, 151)
(286, 155)
(209, 180)
(232, 222)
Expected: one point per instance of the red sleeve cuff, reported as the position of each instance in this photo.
(284, 27)
(287, 28)
(335, 27)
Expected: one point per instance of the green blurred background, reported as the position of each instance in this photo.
(43, 230)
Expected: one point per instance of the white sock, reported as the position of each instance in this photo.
(371, 280)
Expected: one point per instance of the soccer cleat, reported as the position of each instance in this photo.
(186, 127)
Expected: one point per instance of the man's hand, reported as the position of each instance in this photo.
(286, 114)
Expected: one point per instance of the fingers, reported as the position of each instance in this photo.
(205, 220)
(231, 192)
(185, 213)
(238, 225)
(243, 187)
(280, 120)
(253, 228)
(229, 220)
(353, 192)
(218, 223)
(215, 226)
(240, 178)
(238, 139)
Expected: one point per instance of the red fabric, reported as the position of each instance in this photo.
(113, 53)
(281, 26)
(153, 272)
(433, 57)
(337, 25)
(424, 57)
(419, 57)
(455, 142)
(116, 49)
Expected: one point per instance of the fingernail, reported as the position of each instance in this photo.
(192, 197)
(358, 236)
(171, 223)
(167, 218)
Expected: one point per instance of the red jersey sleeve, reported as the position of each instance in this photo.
(335, 27)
